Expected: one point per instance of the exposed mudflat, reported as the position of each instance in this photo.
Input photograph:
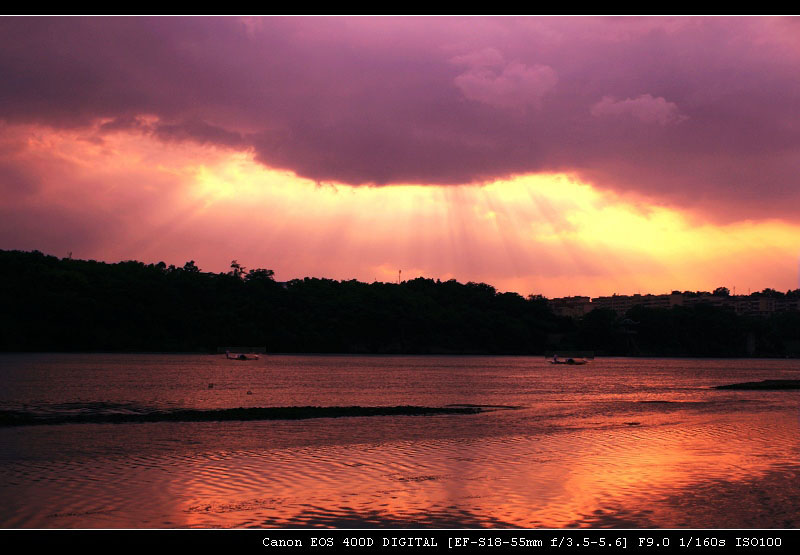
(763, 384)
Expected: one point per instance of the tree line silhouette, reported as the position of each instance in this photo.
(63, 305)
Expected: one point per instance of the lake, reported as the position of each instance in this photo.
(149, 441)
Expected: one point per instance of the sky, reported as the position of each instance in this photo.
(554, 156)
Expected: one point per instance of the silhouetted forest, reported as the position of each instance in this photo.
(52, 304)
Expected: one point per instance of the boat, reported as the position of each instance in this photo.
(574, 358)
(241, 353)
(239, 356)
(569, 361)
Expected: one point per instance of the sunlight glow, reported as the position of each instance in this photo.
(542, 233)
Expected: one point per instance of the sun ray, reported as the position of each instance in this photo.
(542, 233)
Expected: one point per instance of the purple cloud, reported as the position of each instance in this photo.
(492, 81)
(645, 108)
(695, 112)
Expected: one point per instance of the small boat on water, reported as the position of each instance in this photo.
(571, 359)
(241, 353)
(239, 356)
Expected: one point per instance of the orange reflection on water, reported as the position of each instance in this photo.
(626, 475)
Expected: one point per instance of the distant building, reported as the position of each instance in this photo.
(574, 307)
(758, 304)
(622, 303)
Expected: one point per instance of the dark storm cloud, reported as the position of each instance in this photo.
(699, 112)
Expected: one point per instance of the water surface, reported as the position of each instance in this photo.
(618, 442)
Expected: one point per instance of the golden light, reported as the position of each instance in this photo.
(543, 233)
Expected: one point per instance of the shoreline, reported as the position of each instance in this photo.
(387, 355)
